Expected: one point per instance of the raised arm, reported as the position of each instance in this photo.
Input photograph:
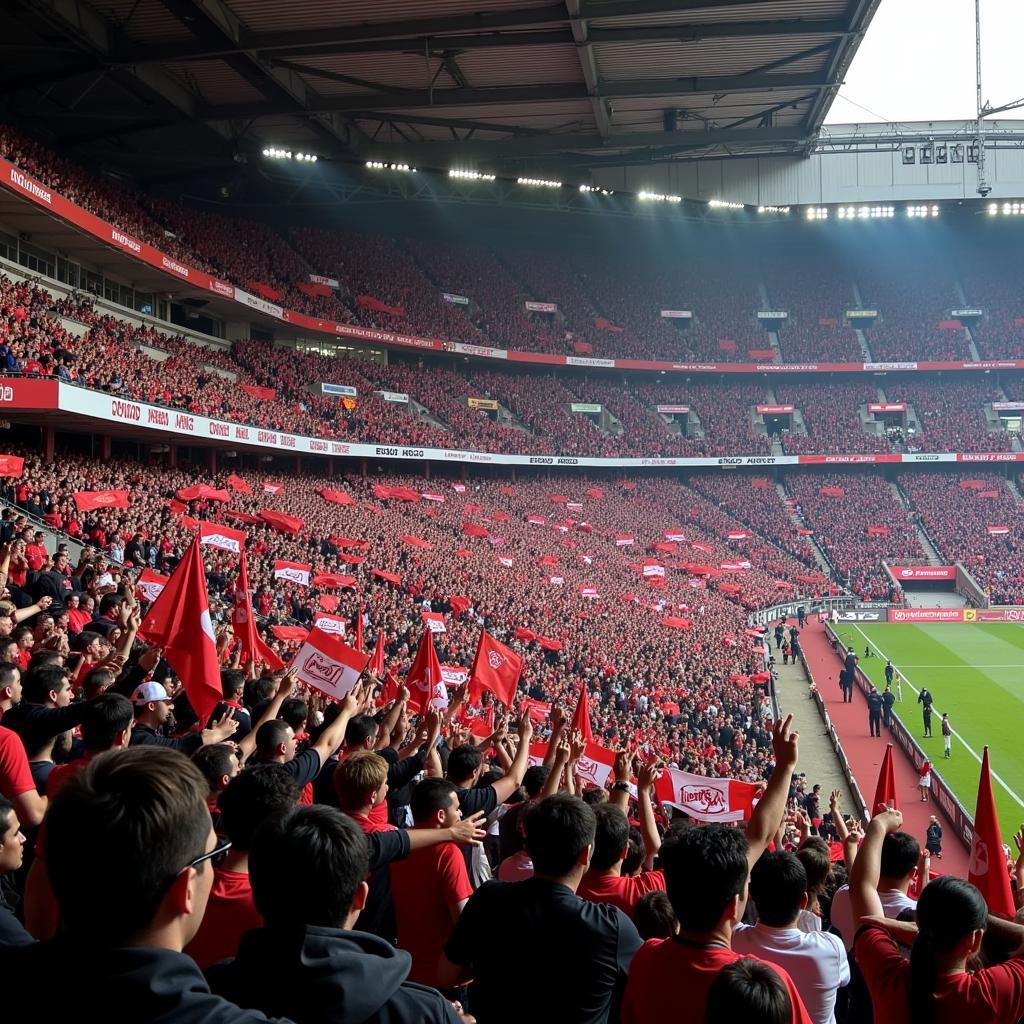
(513, 779)
(333, 736)
(620, 788)
(835, 810)
(554, 779)
(768, 813)
(247, 744)
(648, 826)
(868, 866)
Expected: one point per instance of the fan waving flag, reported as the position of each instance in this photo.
(706, 799)
(359, 626)
(328, 665)
(496, 668)
(150, 584)
(294, 572)
(985, 868)
(377, 660)
(86, 501)
(595, 765)
(254, 650)
(885, 790)
(424, 681)
(213, 535)
(179, 622)
(11, 465)
(581, 716)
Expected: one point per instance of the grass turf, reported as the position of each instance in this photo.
(975, 672)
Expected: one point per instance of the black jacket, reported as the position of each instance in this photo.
(133, 985)
(327, 976)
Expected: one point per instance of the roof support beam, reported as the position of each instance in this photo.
(588, 65)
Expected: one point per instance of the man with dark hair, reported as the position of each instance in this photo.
(431, 886)
(816, 961)
(106, 725)
(232, 683)
(706, 871)
(16, 781)
(153, 706)
(132, 822)
(510, 827)
(253, 797)
(569, 938)
(306, 961)
(12, 852)
(219, 764)
(295, 712)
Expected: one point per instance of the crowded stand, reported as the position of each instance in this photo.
(975, 519)
(950, 413)
(999, 334)
(858, 521)
(831, 416)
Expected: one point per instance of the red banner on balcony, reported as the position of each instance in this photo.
(265, 290)
(583, 348)
(761, 354)
(827, 321)
(878, 531)
(923, 572)
(997, 531)
(949, 325)
(887, 407)
(369, 302)
(254, 391)
(603, 324)
(988, 494)
(313, 290)
(727, 344)
(831, 492)
(774, 410)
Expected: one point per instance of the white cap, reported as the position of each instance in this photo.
(146, 692)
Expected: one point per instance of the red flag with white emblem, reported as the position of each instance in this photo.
(496, 668)
(986, 868)
(425, 682)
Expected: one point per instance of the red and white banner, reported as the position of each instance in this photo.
(624, 541)
(150, 584)
(439, 498)
(269, 487)
(775, 410)
(556, 581)
(654, 571)
(590, 592)
(294, 572)
(595, 765)
(454, 675)
(1008, 406)
(434, 621)
(997, 531)
(541, 307)
(328, 665)
(929, 614)
(707, 799)
(914, 573)
(214, 535)
(673, 408)
(328, 623)
(887, 407)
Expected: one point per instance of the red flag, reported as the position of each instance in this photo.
(179, 622)
(327, 664)
(254, 650)
(215, 535)
(424, 679)
(237, 484)
(377, 660)
(359, 628)
(86, 501)
(280, 521)
(581, 717)
(496, 668)
(986, 868)
(11, 465)
(885, 790)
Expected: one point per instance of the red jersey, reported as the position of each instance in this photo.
(15, 774)
(368, 824)
(425, 885)
(991, 996)
(692, 969)
(230, 913)
(620, 891)
(61, 773)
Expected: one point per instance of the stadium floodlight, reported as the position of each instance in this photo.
(378, 165)
(993, 209)
(1013, 208)
(594, 188)
(773, 209)
(724, 204)
(274, 153)
(457, 172)
(865, 212)
(817, 213)
(923, 210)
(658, 197)
(539, 182)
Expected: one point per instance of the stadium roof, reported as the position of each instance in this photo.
(168, 87)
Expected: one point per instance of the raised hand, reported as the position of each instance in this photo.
(785, 743)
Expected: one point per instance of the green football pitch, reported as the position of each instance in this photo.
(975, 672)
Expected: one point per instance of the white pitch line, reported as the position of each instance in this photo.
(970, 750)
(982, 667)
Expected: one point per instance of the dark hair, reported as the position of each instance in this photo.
(705, 868)
(778, 882)
(270, 735)
(611, 838)
(429, 797)
(534, 780)
(96, 681)
(232, 682)
(322, 847)
(143, 810)
(37, 683)
(256, 690)
(86, 637)
(253, 797)
(463, 761)
(105, 718)
(110, 602)
(294, 712)
(214, 761)
(900, 852)
(594, 796)
(359, 730)
(948, 909)
(558, 829)
(817, 861)
(5, 809)
(636, 852)
(7, 674)
(43, 656)
(748, 989)
(654, 916)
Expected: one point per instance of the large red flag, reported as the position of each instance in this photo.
(885, 790)
(377, 658)
(581, 717)
(496, 668)
(254, 650)
(359, 628)
(424, 681)
(179, 622)
(986, 868)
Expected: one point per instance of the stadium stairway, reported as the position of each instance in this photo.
(932, 552)
(862, 338)
(798, 520)
(865, 753)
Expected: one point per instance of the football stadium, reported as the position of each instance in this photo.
(512, 497)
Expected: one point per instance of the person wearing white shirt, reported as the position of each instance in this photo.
(816, 961)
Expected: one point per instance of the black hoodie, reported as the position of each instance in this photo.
(327, 976)
(57, 979)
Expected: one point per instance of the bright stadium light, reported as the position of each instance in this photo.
(1012, 208)
(724, 204)
(595, 189)
(865, 212)
(658, 197)
(456, 172)
(539, 182)
(773, 209)
(377, 165)
(817, 213)
(923, 210)
(274, 153)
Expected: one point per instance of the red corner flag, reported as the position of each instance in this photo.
(496, 668)
(179, 622)
(885, 790)
(986, 867)
(254, 650)
(359, 628)
(581, 717)
(424, 680)
(377, 658)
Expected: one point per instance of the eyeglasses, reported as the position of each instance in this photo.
(221, 847)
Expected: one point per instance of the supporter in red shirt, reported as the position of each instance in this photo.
(604, 882)
(107, 725)
(259, 793)
(219, 764)
(361, 784)
(35, 553)
(16, 782)
(934, 985)
(706, 874)
(431, 886)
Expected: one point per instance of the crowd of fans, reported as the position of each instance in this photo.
(831, 417)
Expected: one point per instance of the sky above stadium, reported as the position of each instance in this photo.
(916, 62)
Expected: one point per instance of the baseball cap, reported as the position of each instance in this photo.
(146, 692)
